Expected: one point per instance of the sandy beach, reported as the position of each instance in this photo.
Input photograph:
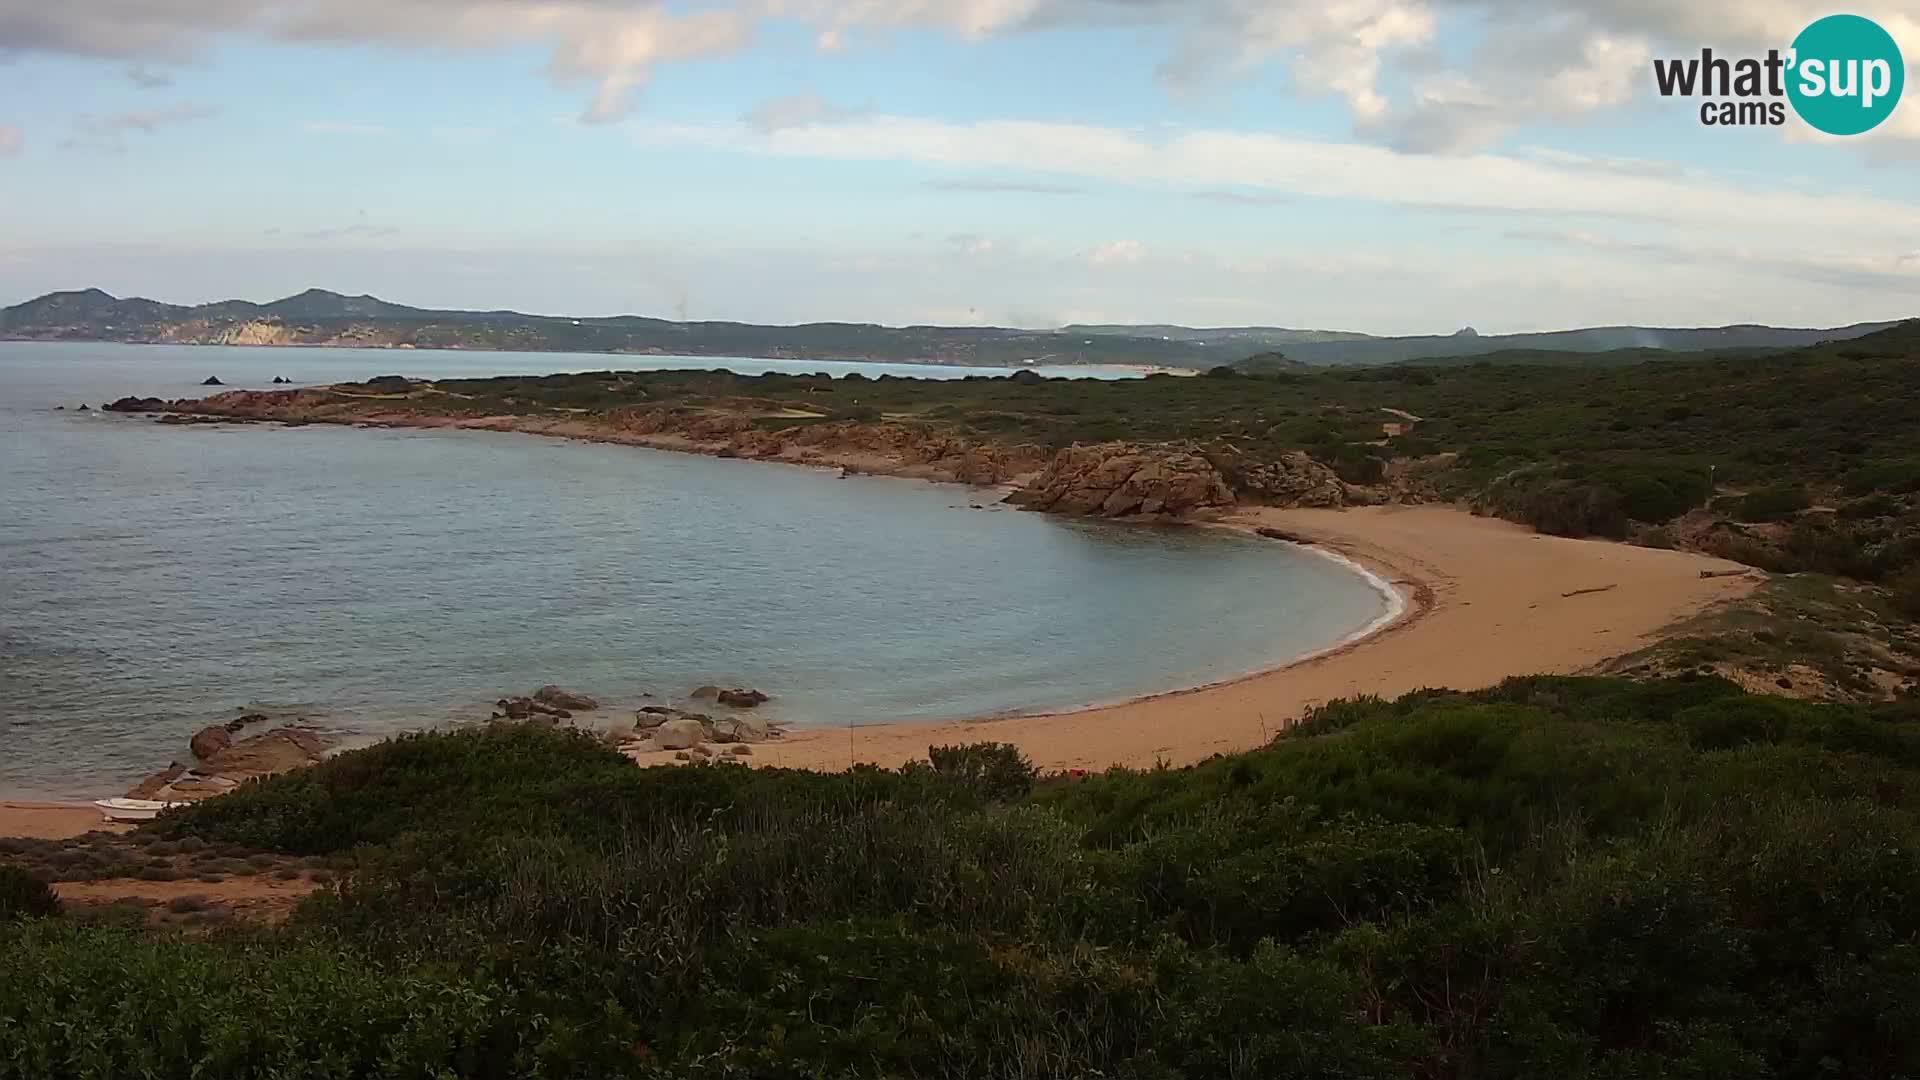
(1483, 599)
(1486, 599)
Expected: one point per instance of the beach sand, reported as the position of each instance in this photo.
(1485, 599)
(50, 821)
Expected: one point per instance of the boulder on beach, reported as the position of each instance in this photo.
(209, 741)
(680, 734)
(212, 380)
(562, 698)
(741, 729)
(742, 699)
(515, 708)
(705, 693)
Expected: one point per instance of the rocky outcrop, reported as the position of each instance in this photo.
(680, 734)
(209, 741)
(226, 762)
(1292, 479)
(1173, 480)
(152, 786)
(560, 698)
(136, 405)
(212, 380)
(263, 755)
(1127, 480)
(742, 699)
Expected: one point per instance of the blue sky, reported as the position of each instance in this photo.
(1384, 165)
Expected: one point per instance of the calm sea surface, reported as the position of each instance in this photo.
(153, 578)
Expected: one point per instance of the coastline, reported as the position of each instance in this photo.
(1480, 600)
(1465, 610)
(1486, 600)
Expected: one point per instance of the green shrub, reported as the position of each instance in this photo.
(997, 772)
(23, 896)
(1772, 503)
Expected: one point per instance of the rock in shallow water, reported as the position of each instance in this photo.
(209, 741)
(562, 698)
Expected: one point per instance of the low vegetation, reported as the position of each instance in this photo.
(1556, 877)
(1800, 460)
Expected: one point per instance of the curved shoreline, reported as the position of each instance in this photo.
(1431, 562)
(1484, 600)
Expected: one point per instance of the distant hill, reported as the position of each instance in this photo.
(319, 317)
(1321, 347)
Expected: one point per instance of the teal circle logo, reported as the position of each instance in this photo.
(1846, 75)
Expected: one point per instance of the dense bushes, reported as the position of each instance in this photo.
(1559, 876)
(23, 896)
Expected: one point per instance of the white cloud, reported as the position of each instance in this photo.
(795, 110)
(10, 140)
(148, 78)
(610, 46)
(1535, 61)
(972, 243)
(341, 127)
(145, 121)
(1259, 163)
(1117, 253)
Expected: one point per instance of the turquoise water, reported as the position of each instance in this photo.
(152, 577)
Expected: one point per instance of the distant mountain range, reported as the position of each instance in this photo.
(319, 317)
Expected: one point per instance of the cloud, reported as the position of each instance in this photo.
(349, 232)
(1267, 165)
(1242, 198)
(795, 110)
(339, 127)
(1025, 187)
(10, 140)
(145, 121)
(96, 132)
(609, 46)
(148, 78)
(1438, 76)
(972, 243)
(1117, 253)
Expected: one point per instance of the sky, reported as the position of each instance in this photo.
(1390, 166)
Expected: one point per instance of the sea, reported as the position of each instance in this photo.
(154, 579)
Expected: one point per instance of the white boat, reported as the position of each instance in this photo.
(132, 809)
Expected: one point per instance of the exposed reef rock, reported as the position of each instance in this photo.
(562, 698)
(226, 762)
